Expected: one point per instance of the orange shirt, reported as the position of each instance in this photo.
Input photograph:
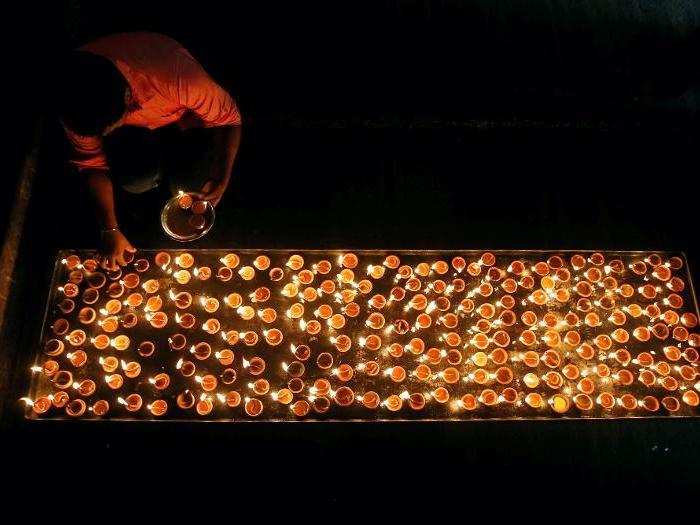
(166, 84)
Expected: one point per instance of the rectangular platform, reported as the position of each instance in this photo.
(285, 335)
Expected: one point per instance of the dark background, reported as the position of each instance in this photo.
(390, 124)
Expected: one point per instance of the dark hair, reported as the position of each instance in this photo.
(91, 94)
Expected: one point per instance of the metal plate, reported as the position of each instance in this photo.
(175, 219)
(476, 353)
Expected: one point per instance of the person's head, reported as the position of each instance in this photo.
(91, 94)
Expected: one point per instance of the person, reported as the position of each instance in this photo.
(130, 85)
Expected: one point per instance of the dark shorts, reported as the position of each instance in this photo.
(141, 159)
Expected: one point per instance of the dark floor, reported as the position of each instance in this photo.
(422, 187)
(603, 154)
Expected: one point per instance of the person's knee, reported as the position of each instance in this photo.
(141, 184)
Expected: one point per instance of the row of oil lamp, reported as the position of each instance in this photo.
(321, 394)
(552, 274)
(419, 302)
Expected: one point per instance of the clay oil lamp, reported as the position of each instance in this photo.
(441, 394)
(131, 369)
(344, 396)
(606, 400)
(141, 265)
(146, 349)
(204, 405)
(468, 402)
(583, 402)
(232, 399)
(628, 401)
(559, 403)
(324, 360)
(186, 368)
(76, 408)
(649, 403)
(182, 300)
(60, 399)
(284, 396)
(301, 352)
(276, 274)
(185, 400)
(320, 387)
(177, 341)
(295, 369)
(121, 342)
(343, 372)
(352, 310)
(109, 364)
(184, 260)
(671, 404)
(211, 325)
(114, 381)
(531, 380)
(370, 399)
(158, 407)
(182, 276)
(371, 368)
(228, 376)
(207, 382)
(393, 403)
(115, 290)
(487, 396)
(267, 315)
(623, 377)
(87, 315)
(132, 402)
(273, 337)
(261, 262)
(60, 326)
(250, 338)
(63, 379)
(300, 408)
(296, 385)
(71, 262)
(247, 273)
(50, 368)
(77, 358)
(260, 387)
(186, 320)
(225, 356)
(75, 338)
(255, 366)
(160, 381)
(323, 267)
(54, 347)
(86, 387)
(254, 407)
(295, 262)
(100, 408)
(201, 350)
(321, 404)
(151, 286)
(129, 320)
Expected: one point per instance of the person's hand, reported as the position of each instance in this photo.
(213, 190)
(114, 246)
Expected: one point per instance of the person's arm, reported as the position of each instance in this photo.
(114, 243)
(227, 140)
(89, 160)
(212, 107)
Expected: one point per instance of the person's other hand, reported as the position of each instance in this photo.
(213, 190)
(114, 246)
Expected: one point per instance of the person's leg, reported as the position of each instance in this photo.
(134, 157)
(187, 158)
